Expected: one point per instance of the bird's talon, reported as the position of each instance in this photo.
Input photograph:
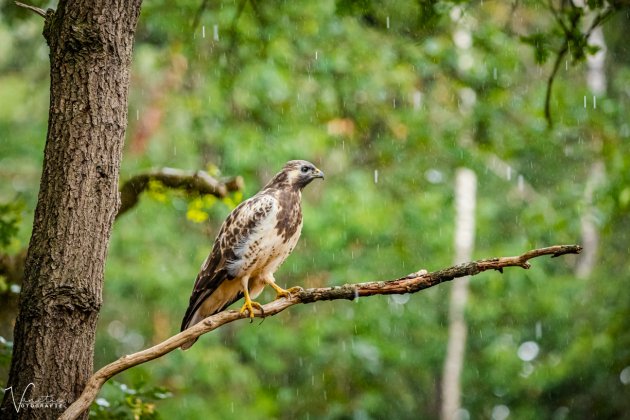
(286, 293)
(249, 307)
(281, 295)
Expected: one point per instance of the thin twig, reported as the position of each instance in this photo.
(33, 9)
(557, 17)
(599, 20)
(197, 18)
(408, 284)
(552, 77)
(233, 31)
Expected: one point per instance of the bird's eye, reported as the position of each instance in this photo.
(304, 169)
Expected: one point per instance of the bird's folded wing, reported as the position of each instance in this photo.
(234, 239)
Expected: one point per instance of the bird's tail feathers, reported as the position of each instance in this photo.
(193, 315)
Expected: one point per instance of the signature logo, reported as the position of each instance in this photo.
(45, 401)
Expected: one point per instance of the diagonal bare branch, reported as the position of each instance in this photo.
(409, 284)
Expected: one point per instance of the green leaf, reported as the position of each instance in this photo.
(540, 42)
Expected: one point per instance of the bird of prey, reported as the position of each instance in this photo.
(252, 243)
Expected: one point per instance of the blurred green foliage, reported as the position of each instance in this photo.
(10, 220)
(120, 402)
(6, 347)
(388, 99)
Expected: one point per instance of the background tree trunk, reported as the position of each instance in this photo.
(596, 81)
(465, 203)
(90, 54)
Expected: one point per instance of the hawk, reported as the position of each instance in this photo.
(252, 243)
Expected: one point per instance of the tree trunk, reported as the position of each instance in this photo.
(596, 81)
(90, 54)
(465, 203)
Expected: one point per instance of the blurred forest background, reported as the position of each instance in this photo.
(388, 99)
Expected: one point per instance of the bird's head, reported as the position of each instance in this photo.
(297, 174)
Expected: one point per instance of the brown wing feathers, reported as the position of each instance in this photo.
(258, 235)
(224, 260)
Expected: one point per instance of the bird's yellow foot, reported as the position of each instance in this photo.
(249, 306)
(280, 292)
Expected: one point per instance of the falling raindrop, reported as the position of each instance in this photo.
(494, 73)
(520, 183)
(203, 31)
(137, 114)
(387, 22)
(216, 32)
(538, 330)
(584, 101)
(417, 99)
(508, 174)
(594, 102)
(316, 55)
(376, 176)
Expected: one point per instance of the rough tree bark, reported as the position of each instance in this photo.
(90, 54)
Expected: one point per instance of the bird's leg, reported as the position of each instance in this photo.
(280, 292)
(250, 304)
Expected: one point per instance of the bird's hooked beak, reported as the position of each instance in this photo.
(318, 174)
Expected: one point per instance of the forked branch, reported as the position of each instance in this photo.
(409, 284)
